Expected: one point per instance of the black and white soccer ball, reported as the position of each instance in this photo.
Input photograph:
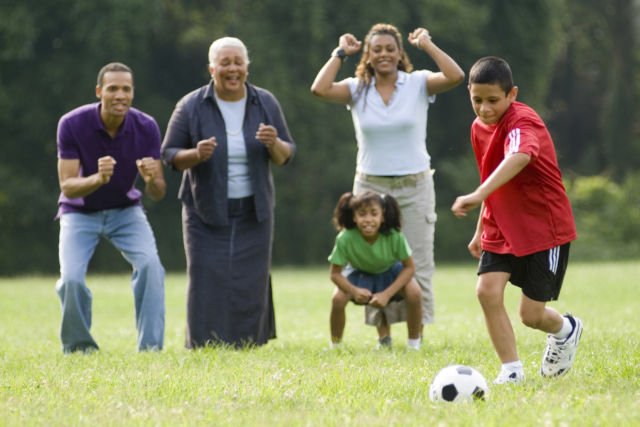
(458, 383)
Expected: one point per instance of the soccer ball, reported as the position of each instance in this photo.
(458, 383)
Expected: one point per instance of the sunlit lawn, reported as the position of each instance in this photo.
(295, 380)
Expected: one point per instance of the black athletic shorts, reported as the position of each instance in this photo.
(539, 275)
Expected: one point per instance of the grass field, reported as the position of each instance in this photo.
(296, 381)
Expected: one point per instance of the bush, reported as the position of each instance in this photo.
(607, 217)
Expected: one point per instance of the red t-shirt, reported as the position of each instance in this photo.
(531, 212)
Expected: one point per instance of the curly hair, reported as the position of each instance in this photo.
(364, 70)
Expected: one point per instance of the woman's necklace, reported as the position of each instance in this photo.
(234, 132)
(233, 115)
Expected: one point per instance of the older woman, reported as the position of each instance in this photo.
(223, 136)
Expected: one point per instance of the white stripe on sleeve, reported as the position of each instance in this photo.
(514, 141)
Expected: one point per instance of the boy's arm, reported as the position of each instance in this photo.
(508, 168)
(359, 295)
(381, 299)
(474, 246)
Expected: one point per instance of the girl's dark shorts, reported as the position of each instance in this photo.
(377, 282)
(539, 275)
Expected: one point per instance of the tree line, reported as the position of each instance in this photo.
(575, 61)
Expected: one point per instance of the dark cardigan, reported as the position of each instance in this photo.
(204, 187)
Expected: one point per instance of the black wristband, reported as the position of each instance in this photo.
(340, 53)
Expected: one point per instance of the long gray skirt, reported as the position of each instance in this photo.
(229, 298)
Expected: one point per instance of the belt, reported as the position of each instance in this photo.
(240, 206)
(396, 180)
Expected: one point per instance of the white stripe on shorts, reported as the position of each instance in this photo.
(554, 256)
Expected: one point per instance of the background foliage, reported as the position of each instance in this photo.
(576, 62)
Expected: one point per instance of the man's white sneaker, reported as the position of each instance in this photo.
(509, 377)
(559, 354)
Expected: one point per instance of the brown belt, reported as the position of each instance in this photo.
(395, 181)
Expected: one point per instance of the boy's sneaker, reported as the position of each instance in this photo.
(384, 343)
(559, 354)
(509, 377)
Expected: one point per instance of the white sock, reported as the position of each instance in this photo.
(512, 366)
(565, 330)
(414, 343)
(336, 345)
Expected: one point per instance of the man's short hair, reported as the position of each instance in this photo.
(113, 66)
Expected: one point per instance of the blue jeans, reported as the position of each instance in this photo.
(129, 231)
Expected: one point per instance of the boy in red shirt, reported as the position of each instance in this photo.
(525, 225)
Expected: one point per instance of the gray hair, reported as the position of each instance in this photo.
(223, 42)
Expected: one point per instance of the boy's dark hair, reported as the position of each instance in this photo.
(113, 66)
(348, 204)
(492, 70)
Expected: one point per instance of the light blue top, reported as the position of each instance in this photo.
(239, 181)
(392, 138)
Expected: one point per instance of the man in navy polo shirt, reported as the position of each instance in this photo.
(102, 148)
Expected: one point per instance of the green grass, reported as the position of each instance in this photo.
(295, 380)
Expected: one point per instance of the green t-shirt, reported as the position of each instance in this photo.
(350, 247)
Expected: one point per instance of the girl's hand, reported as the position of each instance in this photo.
(379, 300)
(361, 295)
